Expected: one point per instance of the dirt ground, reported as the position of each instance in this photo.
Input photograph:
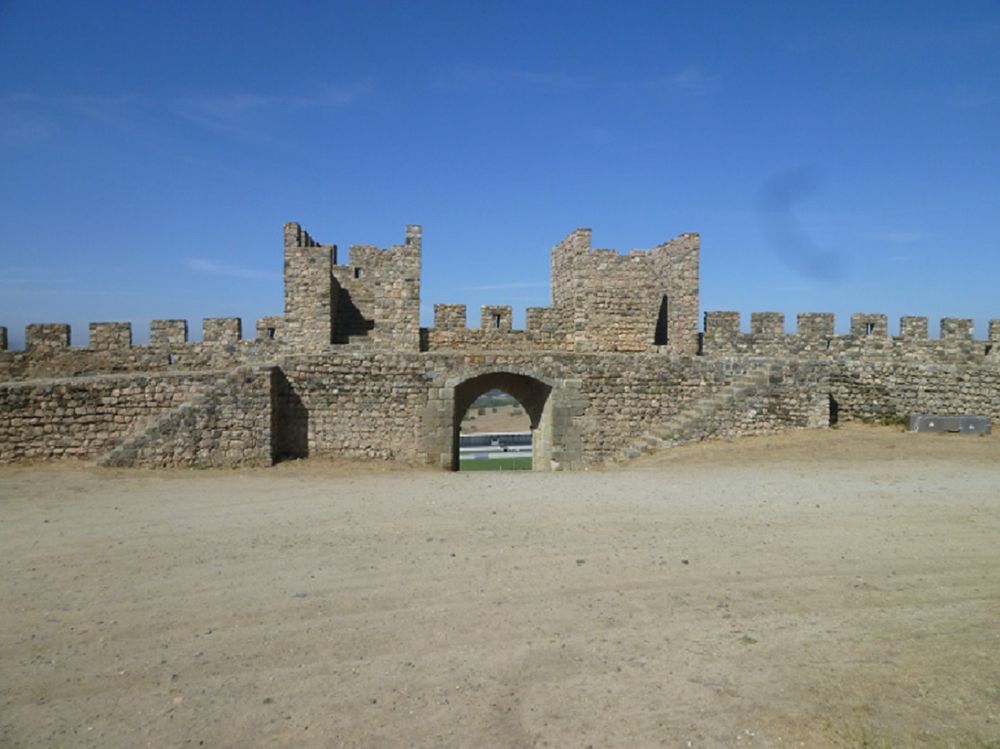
(506, 419)
(824, 589)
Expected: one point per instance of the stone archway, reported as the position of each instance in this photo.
(533, 395)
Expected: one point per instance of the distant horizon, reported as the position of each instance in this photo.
(833, 159)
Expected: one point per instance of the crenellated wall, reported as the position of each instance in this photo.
(615, 364)
(543, 332)
(868, 338)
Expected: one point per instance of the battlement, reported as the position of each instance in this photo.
(449, 316)
(44, 337)
(643, 300)
(222, 330)
(869, 334)
(544, 329)
(168, 332)
(496, 318)
(106, 336)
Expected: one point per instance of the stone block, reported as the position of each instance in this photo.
(46, 336)
(449, 316)
(722, 326)
(956, 329)
(767, 324)
(3, 338)
(542, 320)
(168, 332)
(913, 328)
(496, 318)
(950, 424)
(995, 331)
(414, 235)
(222, 329)
(107, 336)
(869, 325)
(814, 324)
(269, 328)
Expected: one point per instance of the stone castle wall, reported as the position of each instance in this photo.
(616, 365)
(382, 406)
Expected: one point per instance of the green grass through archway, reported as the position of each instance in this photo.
(496, 464)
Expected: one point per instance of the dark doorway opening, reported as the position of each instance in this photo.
(289, 420)
(660, 337)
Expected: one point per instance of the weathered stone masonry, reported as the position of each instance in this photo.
(616, 366)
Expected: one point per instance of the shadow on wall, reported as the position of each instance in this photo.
(289, 421)
(349, 320)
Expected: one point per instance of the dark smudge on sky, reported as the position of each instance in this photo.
(787, 238)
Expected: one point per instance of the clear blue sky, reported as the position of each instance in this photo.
(834, 156)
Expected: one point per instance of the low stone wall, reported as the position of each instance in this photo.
(402, 406)
(84, 417)
(892, 390)
(182, 419)
(228, 425)
(351, 405)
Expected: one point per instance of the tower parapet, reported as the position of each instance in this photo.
(309, 289)
(632, 302)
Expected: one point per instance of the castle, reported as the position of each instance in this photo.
(615, 367)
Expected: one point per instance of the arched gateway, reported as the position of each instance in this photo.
(551, 402)
(532, 394)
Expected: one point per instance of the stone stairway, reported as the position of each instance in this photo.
(711, 416)
(190, 433)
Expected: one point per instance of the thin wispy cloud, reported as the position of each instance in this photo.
(893, 237)
(504, 286)
(468, 77)
(18, 127)
(968, 97)
(232, 110)
(201, 265)
(26, 117)
(597, 136)
(88, 293)
(692, 79)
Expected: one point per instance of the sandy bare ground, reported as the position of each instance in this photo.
(506, 419)
(824, 589)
